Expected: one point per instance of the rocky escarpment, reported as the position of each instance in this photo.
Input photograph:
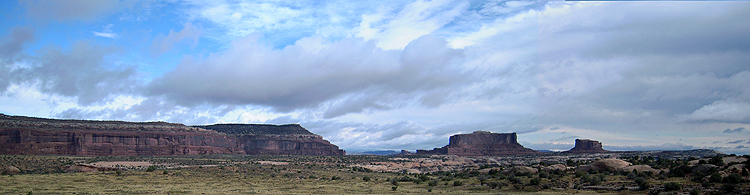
(292, 139)
(481, 143)
(34, 136)
(587, 146)
(28, 135)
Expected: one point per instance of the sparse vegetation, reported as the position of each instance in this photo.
(240, 174)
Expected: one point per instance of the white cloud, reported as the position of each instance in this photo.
(722, 110)
(280, 23)
(106, 32)
(27, 100)
(412, 21)
(299, 77)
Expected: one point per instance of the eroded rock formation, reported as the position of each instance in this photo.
(604, 165)
(28, 135)
(587, 146)
(33, 136)
(290, 139)
(481, 143)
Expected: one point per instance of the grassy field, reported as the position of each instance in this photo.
(298, 175)
(217, 181)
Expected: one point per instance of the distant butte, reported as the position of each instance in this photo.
(481, 143)
(587, 146)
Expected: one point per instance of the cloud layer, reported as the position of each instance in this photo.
(311, 72)
(407, 75)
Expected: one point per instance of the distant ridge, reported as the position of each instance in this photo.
(257, 129)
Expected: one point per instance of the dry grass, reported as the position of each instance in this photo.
(260, 175)
(196, 181)
(234, 180)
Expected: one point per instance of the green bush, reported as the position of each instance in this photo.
(432, 183)
(424, 177)
(715, 178)
(151, 168)
(733, 178)
(642, 183)
(672, 186)
(728, 188)
(717, 160)
(695, 191)
(534, 181)
(494, 185)
(543, 174)
(458, 183)
(366, 179)
(515, 180)
(632, 174)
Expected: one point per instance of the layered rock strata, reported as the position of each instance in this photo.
(33, 136)
(481, 143)
(586, 146)
(292, 139)
(39, 136)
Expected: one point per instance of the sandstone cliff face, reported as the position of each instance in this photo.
(482, 143)
(33, 136)
(587, 146)
(290, 139)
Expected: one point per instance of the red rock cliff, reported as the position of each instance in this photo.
(482, 143)
(290, 139)
(27, 135)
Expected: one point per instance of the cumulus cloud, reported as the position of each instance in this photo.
(81, 72)
(12, 44)
(10, 48)
(609, 71)
(301, 76)
(736, 130)
(86, 10)
(190, 32)
(722, 110)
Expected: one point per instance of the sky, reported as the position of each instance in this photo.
(391, 75)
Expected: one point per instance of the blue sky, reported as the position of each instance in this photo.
(393, 74)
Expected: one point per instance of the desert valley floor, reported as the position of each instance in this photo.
(622, 173)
